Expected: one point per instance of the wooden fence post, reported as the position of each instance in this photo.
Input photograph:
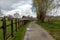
(20, 23)
(23, 22)
(12, 34)
(16, 24)
(4, 29)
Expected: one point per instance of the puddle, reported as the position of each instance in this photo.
(28, 29)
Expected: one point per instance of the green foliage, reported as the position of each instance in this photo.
(41, 7)
(20, 34)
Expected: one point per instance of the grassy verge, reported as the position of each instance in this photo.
(20, 34)
(52, 28)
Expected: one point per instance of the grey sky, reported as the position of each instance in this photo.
(9, 7)
(7, 4)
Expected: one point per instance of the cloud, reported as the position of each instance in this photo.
(6, 4)
(23, 7)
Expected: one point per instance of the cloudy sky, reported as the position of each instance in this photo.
(23, 7)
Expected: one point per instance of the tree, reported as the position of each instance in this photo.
(41, 8)
(9, 17)
(17, 15)
(23, 16)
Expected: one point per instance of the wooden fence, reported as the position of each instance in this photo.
(18, 23)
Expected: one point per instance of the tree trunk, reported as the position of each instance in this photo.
(42, 16)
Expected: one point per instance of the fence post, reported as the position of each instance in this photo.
(16, 24)
(23, 22)
(20, 23)
(12, 28)
(4, 29)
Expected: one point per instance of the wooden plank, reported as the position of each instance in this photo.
(12, 34)
(4, 29)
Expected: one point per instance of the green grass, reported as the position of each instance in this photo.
(8, 22)
(52, 28)
(1, 34)
(20, 34)
(0, 23)
(8, 29)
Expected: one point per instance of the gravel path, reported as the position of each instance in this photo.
(35, 32)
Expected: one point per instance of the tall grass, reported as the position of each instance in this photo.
(20, 34)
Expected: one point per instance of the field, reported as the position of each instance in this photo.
(20, 34)
(8, 31)
(52, 28)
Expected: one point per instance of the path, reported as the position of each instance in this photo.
(35, 32)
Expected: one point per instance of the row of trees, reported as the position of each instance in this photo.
(41, 8)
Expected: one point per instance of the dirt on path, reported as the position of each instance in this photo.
(35, 32)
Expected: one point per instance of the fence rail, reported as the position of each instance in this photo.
(18, 24)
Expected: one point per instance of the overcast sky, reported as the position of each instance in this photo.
(24, 7)
(8, 4)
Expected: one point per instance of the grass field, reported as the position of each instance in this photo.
(19, 35)
(52, 28)
(8, 29)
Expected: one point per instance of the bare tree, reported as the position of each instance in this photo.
(17, 15)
